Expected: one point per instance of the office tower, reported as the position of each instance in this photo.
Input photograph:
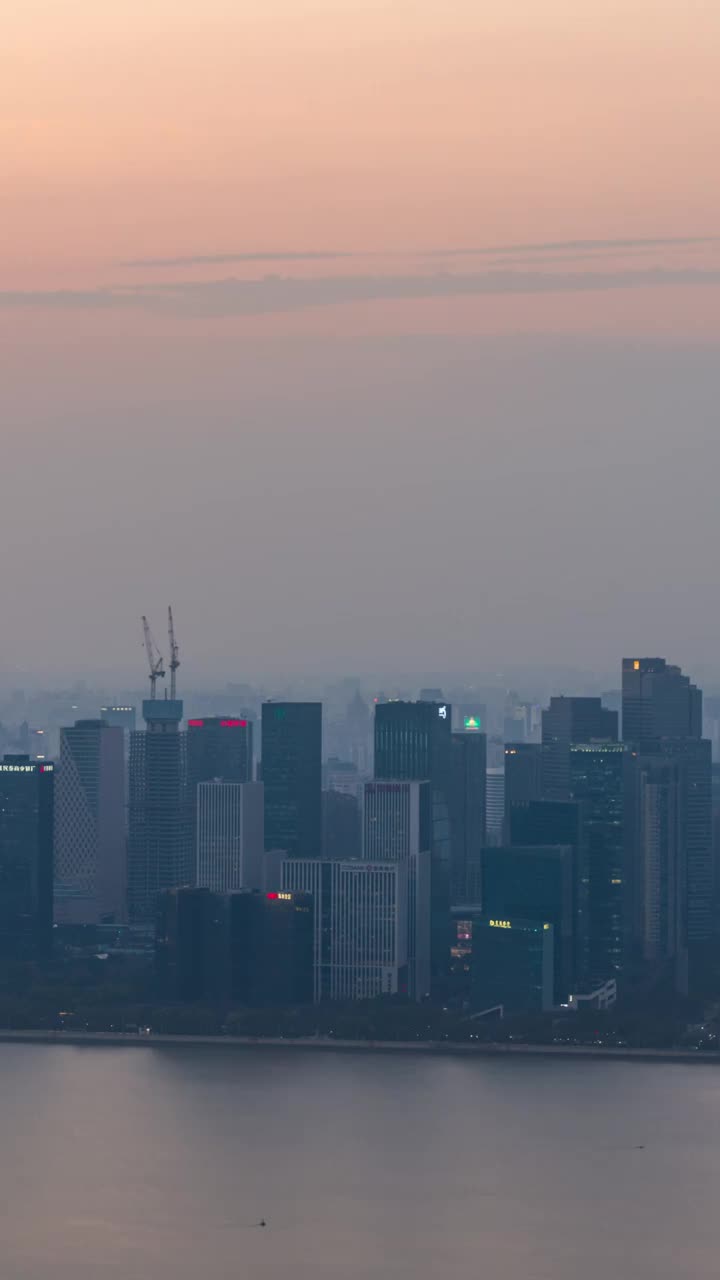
(523, 777)
(657, 893)
(190, 951)
(230, 845)
(271, 949)
(413, 743)
(119, 717)
(90, 836)
(495, 805)
(26, 856)
(560, 822)
(292, 776)
(371, 924)
(397, 820)
(160, 853)
(468, 788)
(536, 883)
(217, 747)
(658, 701)
(662, 715)
(565, 721)
(341, 826)
(512, 964)
(597, 782)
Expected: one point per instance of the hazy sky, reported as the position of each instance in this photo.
(364, 332)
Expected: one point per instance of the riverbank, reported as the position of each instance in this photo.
(132, 1040)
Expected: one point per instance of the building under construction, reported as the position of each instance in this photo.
(159, 830)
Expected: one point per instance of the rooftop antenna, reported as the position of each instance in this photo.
(174, 653)
(155, 658)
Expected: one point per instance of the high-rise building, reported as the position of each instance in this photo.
(217, 747)
(397, 820)
(371, 925)
(230, 845)
(536, 884)
(512, 964)
(341, 826)
(597, 783)
(119, 717)
(413, 742)
(271, 949)
(662, 715)
(26, 856)
(342, 776)
(292, 777)
(523, 777)
(468, 790)
(658, 701)
(565, 721)
(190, 945)
(90, 834)
(160, 853)
(495, 804)
(560, 822)
(656, 897)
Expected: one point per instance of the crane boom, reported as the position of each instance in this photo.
(174, 653)
(155, 658)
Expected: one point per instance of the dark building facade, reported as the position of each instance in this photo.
(565, 721)
(413, 742)
(341, 826)
(26, 856)
(468, 788)
(219, 747)
(523, 777)
(237, 948)
(271, 948)
(160, 854)
(662, 716)
(292, 776)
(560, 822)
(512, 964)
(658, 701)
(536, 884)
(597, 780)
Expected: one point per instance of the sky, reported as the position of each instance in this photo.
(368, 334)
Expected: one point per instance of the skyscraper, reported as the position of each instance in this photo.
(523, 777)
(658, 701)
(160, 854)
(90, 835)
(371, 925)
(413, 742)
(292, 777)
(597, 781)
(468, 790)
(397, 820)
(217, 747)
(565, 721)
(535, 884)
(662, 715)
(230, 843)
(512, 964)
(26, 856)
(495, 804)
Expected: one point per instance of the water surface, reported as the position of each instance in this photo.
(151, 1164)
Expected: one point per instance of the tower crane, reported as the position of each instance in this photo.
(155, 658)
(174, 653)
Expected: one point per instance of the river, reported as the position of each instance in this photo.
(158, 1164)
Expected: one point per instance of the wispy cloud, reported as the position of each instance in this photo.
(278, 294)
(541, 247)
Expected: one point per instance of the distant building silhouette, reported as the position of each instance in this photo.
(160, 853)
(292, 777)
(26, 856)
(90, 834)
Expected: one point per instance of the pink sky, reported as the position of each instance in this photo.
(177, 128)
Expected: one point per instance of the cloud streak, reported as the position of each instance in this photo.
(282, 294)
(541, 247)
